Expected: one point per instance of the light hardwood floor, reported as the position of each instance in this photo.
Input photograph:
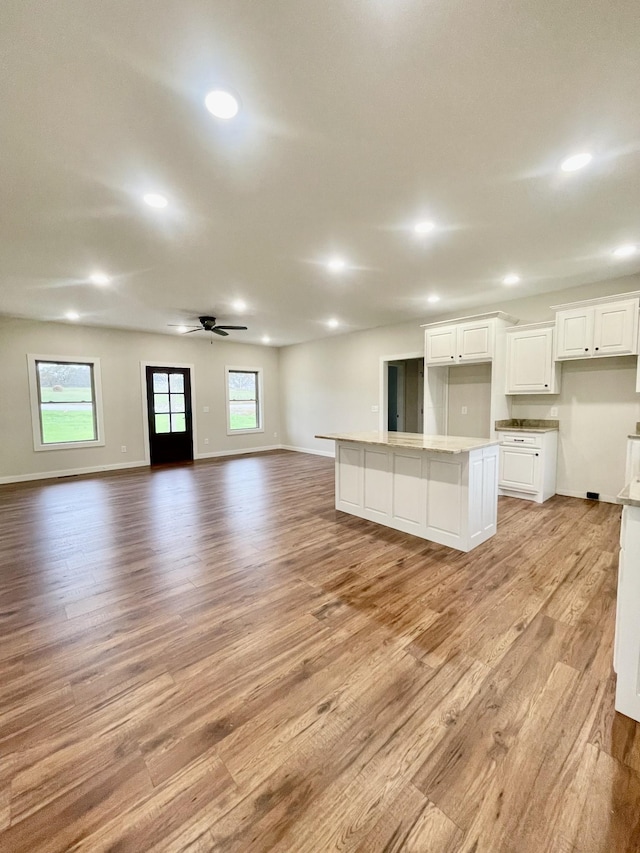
(211, 658)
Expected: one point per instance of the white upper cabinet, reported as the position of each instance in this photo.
(475, 341)
(597, 329)
(441, 345)
(530, 365)
(471, 339)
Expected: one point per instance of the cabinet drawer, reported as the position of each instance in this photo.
(520, 439)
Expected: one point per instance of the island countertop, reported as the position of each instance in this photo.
(413, 440)
(630, 495)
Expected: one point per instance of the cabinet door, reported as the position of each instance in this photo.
(616, 328)
(530, 368)
(475, 341)
(574, 328)
(440, 345)
(520, 469)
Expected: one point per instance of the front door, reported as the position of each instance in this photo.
(169, 410)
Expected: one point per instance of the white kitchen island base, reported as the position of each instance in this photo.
(439, 488)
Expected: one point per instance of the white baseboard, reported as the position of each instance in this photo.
(607, 499)
(308, 450)
(70, 472)
(215, 453)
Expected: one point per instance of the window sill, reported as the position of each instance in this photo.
(69, 445)
(244, 431)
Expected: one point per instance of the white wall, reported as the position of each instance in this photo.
(121, 353)
(597, 408)
(331, 384)
(469, 387)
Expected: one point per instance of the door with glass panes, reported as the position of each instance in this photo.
(169, 409)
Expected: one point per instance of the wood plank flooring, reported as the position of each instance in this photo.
(211, 658)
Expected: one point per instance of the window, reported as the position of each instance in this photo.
(244, 400)
(66, 404)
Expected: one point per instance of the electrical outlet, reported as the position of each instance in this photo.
(205, 409)
(123, 448)
(375, 408)
(554, 412)
(206, 441)
(275, 435)
(464, 410)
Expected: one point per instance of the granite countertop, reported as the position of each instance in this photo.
(413, 440)
(630, 495)
(527, 425)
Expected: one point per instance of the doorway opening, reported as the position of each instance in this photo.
(403, 394)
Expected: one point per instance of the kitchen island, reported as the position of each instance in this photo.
(438, 487)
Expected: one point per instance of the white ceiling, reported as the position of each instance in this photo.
(359, 117)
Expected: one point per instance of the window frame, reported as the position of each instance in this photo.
(260, 407)
(34, 394)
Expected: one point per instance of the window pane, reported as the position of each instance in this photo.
(243, 415)
(161, 402)
(178, 423)
(161, 383)
(177, 402)
(162, 423)
(176, 383)
(67, 422)
(242, 386)
(65, 382)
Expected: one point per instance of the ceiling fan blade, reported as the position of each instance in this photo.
(190, 331)
(219, 331)
(180, 326)
(241, 328)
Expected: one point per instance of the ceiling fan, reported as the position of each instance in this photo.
(208, 324)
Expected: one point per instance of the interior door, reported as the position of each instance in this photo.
(169, 410)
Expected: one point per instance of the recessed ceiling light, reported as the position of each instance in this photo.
(181, 330)
(99, 278)
(336, 264)
(72, 315)
(266, 339)
(625, 251)
(332, 323)
(222, 104)
(512, 278)
(156, 200)
(424, 227)
(433, 298)
(239, 305)
(576, 161)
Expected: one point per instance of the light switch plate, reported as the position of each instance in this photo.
(464, 410)
(554, 412)
(205, 408)
(375, 408)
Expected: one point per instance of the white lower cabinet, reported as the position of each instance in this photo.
(448, 498)
(627, 640)
(528, 464)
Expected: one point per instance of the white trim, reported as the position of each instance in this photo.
(473, 318)
(258, 372)
(607, 499)
(145, 411)
(328, 453)
(70, 472)
(34, 399)
(241, 452)
(383, 386)
(598, 300)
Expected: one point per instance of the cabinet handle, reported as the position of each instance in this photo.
(546, 386)
(453, 356)
(537, 454)
(586, 349)
(597, 348)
